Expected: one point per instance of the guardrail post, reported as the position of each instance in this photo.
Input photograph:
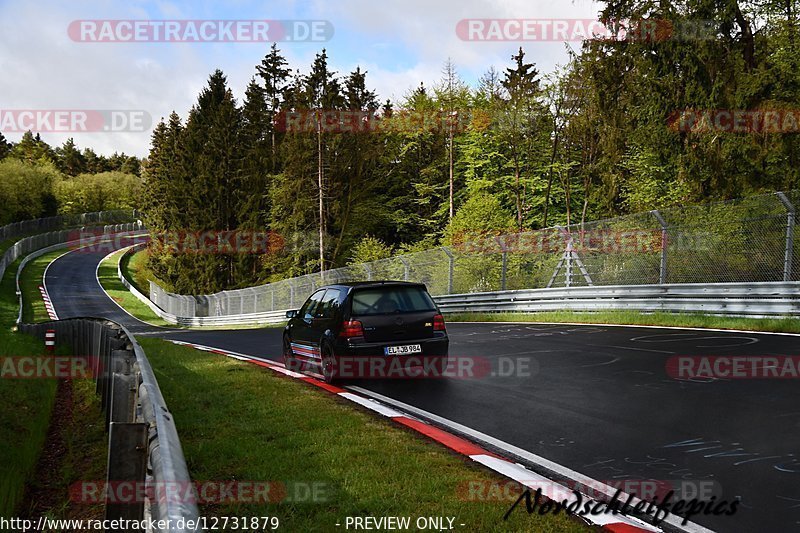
(788, 256)
(122, 389)
(662, 271)
(291, 294)
(127, 464)
(123, 398)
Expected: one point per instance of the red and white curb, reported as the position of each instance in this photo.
(551, 490)
(51, 311)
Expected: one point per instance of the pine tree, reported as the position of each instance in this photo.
(522, 87)
(5, 146)
(356, 184)
(32, 149)
(275, 75)
(322, 93)
(69, 159)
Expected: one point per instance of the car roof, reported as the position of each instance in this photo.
(370, 284)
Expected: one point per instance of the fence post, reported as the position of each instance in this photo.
(662, 271)
(504, 271)
(451, 264)
(405, 267)
(568, 270)
(789, 247)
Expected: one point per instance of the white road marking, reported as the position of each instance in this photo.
(538, 460)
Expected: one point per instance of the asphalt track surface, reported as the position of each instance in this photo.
(598, 399)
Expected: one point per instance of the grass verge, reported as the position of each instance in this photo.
(30, 279)
(132, 269)
(75, 451)
(635, 318)
(107, 274)
(27, 405)
(45, 446)
(240, 422)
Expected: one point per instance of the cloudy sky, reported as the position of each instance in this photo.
(399, 43)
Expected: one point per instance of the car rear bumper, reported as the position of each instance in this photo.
(431, 347)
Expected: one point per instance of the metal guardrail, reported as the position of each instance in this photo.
(253, 319)
(749, 240)
(143, 441)
(75, 223)
(29, 243)
(770, 299)
(42, 225)
(767, 299)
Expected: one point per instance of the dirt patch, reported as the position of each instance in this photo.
(46, 491)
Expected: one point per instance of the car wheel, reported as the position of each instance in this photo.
(289, 360)
(329, 371)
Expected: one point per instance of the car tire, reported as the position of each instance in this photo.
(328, 360)
(289, 361)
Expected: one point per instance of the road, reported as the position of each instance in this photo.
(597, 400)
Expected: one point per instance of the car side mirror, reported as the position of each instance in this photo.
(291, 314)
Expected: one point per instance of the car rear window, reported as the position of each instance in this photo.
(389, 300)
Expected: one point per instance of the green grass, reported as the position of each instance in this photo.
(692, 320)
(107, 274)
(239, 421)
(6, 244)
(134, 268)
(26, 407)
(30, 279)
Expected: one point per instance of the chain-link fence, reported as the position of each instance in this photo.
(748, 240)
(41, 225)
(111, 221)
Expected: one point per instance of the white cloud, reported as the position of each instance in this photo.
(400, 43)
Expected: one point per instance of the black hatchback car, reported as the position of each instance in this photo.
(367, 330)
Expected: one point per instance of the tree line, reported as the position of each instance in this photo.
(37, 180)
(519, 150)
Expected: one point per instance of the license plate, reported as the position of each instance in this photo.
(402, 350)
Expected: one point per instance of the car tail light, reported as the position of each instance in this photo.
(438, 323)
(352, 328)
